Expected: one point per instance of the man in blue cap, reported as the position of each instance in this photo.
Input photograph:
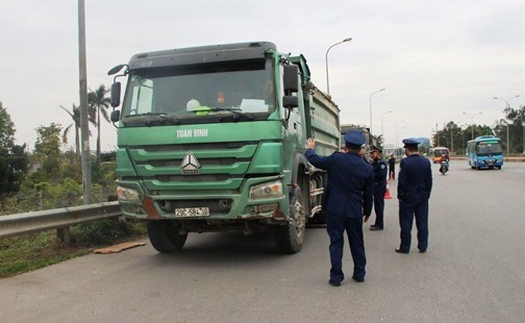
(413, 191)
(348, 199)
(380, 170)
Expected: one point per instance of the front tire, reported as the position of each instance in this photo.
(165, 236)
(290, 237)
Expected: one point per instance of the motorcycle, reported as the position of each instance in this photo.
(443, 169)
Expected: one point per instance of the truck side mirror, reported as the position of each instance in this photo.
(115, 94)
(290, 85)
(290, 101)
(115, 116)
(290, 79)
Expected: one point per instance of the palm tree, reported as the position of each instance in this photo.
(75, 115)
(96, 100)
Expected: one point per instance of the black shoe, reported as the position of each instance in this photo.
(398, 250)
(357, 279)
(375, 228)
(334, 283)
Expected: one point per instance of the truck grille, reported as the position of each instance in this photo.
(221, 165)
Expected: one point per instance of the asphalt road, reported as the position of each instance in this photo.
(473, 271)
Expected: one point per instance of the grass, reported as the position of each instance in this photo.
(30, 252)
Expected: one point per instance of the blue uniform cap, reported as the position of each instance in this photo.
(375, 148)
(354, 137)
(410, 142)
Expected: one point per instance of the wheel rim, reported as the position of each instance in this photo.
(299, 220)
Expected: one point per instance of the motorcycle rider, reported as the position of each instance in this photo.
(444, 164)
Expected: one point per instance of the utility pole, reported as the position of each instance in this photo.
(84, 126)
(507, 106)
(437, 135)
(326, 59)
(451, 139)
(371, 95)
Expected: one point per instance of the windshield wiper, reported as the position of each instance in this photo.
(162, 116)
(234, 110)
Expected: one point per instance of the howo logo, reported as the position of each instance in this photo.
(190, 165)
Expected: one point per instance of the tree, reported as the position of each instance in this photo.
(13, 158)
(47, 151)
(7, 130)
(455, 138)
(97, 100)
(75, 115)
(449, 136)
(516, 128)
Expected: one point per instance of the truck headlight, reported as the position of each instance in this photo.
(127, 194)
(266, 190)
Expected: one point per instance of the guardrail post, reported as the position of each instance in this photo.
(64, 235)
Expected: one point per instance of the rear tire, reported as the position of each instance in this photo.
(165, 236)
(290, 237)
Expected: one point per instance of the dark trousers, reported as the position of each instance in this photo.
(379, 207)
(336, 226)
(392, 173)
(417, 208)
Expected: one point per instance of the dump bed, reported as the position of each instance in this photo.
(322, 114)
(323, 122)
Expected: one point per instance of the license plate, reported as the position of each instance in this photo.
(192, 212)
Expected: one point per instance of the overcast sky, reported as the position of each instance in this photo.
(437, 60)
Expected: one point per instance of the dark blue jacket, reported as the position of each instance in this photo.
(415, 179)
(380, 171)
(350, 187)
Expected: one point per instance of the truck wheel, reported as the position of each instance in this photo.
(165, 237)
(290, 237)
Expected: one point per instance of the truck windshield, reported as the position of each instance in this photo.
(236, 91)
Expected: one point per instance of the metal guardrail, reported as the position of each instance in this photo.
(18, 224)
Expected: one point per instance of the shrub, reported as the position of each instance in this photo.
(101, 232)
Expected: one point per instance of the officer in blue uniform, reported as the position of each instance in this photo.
(413, 191)
(348, 198)
(380, 171)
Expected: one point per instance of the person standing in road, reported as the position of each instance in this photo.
(392, 167)
(380, 171)
(413, 192)
(348, 199)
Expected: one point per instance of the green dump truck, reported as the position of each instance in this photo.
(212, 138)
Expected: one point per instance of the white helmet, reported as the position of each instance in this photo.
(192, 105)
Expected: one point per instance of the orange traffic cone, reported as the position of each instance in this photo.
(387, 194)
